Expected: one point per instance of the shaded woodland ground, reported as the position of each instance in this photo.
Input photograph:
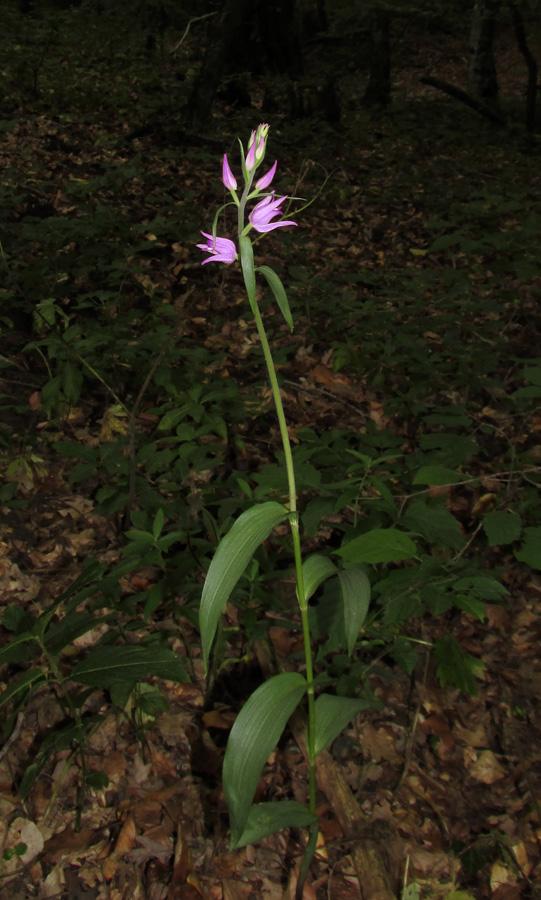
(131, 383)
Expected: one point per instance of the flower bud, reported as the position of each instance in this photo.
(260, 151)
(228, 178)
(250, 158)
(265, 180)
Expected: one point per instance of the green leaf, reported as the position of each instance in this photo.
(157, 526)
(278, 290)
(332, 716)
(355, 587)
(316, 569)
(439, 475)
(531, 392)
(30, 775)
(411, 892)
(255, 733)
(266, 818)
(97, 780)
(142, 537)
(378, 546)
(234, 553)
(455, 666)
(530, 551)
(435, 524)
(486, 587)
(69, 629)
(172, 418)
(471, 605)
(502, 527)
(15, 651)
(23, 681)
(72, 382)
(248, 270)
(315, 511)
(105, 666)
(404, 654)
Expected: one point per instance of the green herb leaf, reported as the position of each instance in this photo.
(230, 560)
(255, 733)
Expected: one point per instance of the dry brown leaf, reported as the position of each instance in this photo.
(500, 874)
(475, 737)
(235, 890)
(216, 719)
(379, 744)
(486, 768)
(126, 837)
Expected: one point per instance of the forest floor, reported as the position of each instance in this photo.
(447, 785)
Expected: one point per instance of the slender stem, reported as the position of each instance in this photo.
(294, 524)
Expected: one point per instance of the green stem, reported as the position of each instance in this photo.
(248, 271)
(294, 523)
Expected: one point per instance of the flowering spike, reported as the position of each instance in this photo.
(228, 178)
(221, 249)
(261, 215)
(264, 182)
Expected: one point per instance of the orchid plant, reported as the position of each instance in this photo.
(263, 718)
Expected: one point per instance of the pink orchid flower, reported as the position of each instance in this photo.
(261, 215)
(221, 249)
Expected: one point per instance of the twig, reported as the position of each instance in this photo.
(329, 394)
(461, 553)
(185, 35)
(473, 480)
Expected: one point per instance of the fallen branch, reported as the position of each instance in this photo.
(463, 97)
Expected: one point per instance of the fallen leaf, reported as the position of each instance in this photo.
(500, 874)
(126, 837)
(486, 768)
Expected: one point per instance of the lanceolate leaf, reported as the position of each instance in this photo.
(248, 270)
(31, 678)
(256, 731)
(266, 818)
(356, 598)
(332, 716)
(230, 560)
(316, 569)
(106, 666)
(278, 290)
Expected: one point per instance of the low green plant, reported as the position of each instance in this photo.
(115, 664)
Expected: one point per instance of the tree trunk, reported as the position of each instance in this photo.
(378, 89)
(225, 35)
(279, 36)
(531, 65)
(247, 37)
(482, 77)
